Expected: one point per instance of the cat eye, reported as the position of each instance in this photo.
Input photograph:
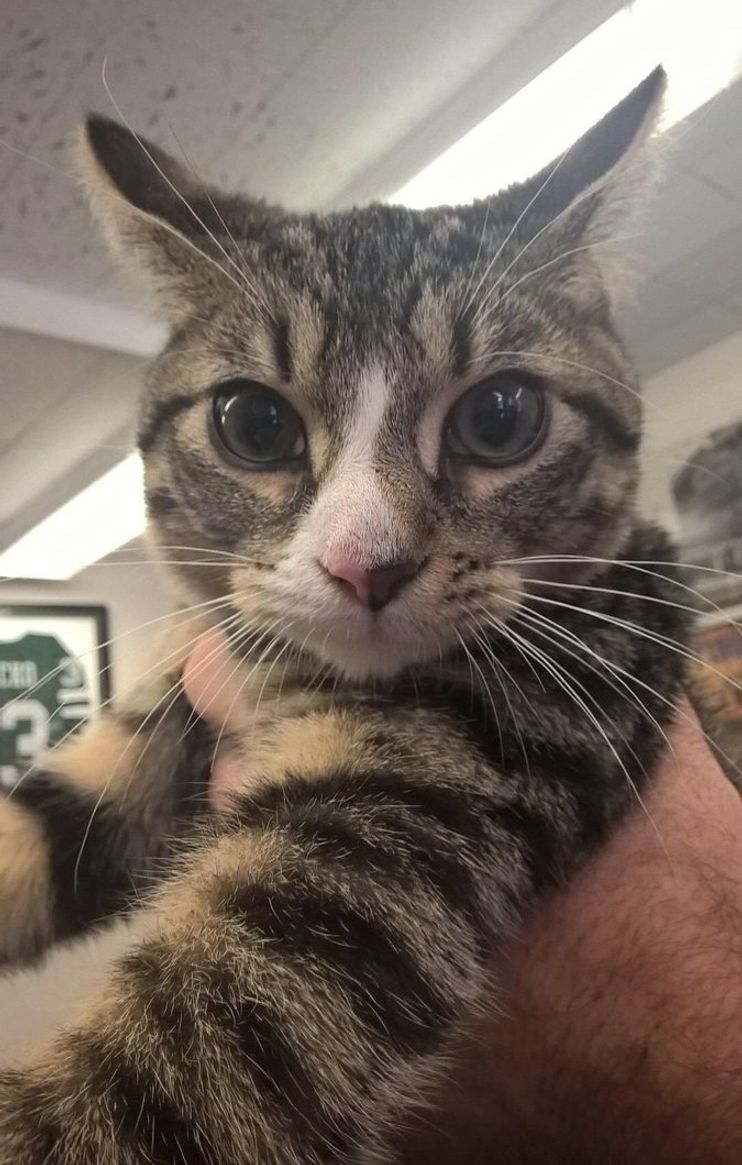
(498, 421)
(257, 425)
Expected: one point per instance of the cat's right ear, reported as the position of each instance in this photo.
(156, 216)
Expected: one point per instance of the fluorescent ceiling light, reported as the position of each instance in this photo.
(700, 45)
(105, 515)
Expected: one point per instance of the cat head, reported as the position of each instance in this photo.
(367, 419)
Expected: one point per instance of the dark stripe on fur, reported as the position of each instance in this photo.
(538, 840)
(444, 805)
(161, 413)
(144, 1120)
(397, 808)
(160, 502)
(390, 990)
(278, 1071)
(37, 1128)
(211, 1006)
(604, 417)
(89, 881)
(388, 842)
(461, 345)
(187, 744)
(282, 347)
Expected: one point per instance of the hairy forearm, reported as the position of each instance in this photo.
(619, 1038)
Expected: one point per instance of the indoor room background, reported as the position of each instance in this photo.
(320, 104)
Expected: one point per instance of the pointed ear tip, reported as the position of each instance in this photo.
(99, 132)
(652, 89)
(657, 80)
(94, 146)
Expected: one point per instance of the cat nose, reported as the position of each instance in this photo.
(373, 587)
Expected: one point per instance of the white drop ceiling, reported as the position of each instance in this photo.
(309, 102)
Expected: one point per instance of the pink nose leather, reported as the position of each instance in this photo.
(372, 587)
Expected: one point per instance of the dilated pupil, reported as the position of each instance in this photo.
(257, 424)
(262, 423)
(494, 415)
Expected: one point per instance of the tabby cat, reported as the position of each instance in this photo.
(393, 453)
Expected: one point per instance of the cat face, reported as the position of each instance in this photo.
(368, 419)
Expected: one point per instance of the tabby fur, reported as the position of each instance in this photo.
(413, 778)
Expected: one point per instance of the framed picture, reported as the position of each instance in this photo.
(54, 675)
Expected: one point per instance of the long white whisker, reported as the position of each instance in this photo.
(547, 357)
(158, 665)
(552, 262)
(512, 230)
(589, 192)
(638, 563)
(240, 663)
(240, 267)
(559, 674)
(637, 629)
(486, 688)
(618, 669)
(286, 647)
(496, 665)
(162, 222)
(227, 555)
(211, 604)
(537, 621)
(554, 583)
(175, 688)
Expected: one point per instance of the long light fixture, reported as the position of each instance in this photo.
(700, 44)
(105, 515)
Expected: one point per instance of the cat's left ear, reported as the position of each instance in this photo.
(157, 217)
(595, 196)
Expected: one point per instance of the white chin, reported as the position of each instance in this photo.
(371, 656)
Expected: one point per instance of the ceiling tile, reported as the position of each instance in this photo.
(686, 214)
(668, 345)
(712, 271)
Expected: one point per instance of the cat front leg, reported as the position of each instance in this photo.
(303, 966)
(86, 831)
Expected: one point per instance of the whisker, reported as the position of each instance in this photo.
(225, 554)
(537, 621)
(638, 563)
(542, 582)
(175, 688)
(637, 629)
(486, 688)
(558, 259)
(116, 639)
(286, 646)
(640, 566)
(558, 673)
(634, 679)
(468, 295)
(156, 666)
(496, 665)
(546, 357)
(6, 145)
(240, 267)
(528, 207)
(243, 684)
(162, 222)
(248, 638)
(589, 192)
